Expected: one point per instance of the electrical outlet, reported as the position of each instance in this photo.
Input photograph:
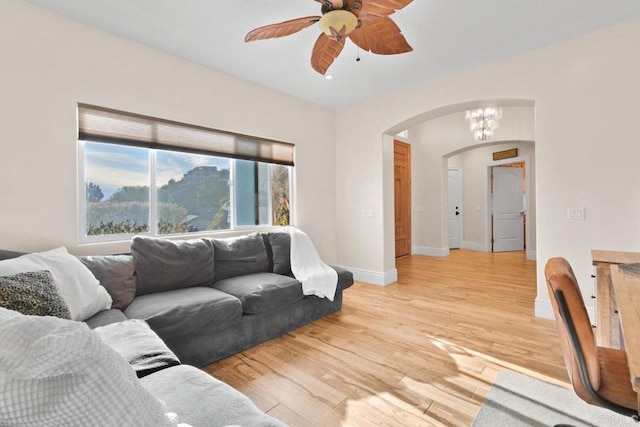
(575, 213)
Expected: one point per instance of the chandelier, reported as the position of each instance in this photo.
(483, 121)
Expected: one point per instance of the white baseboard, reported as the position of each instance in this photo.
(424, 250)
(374, 277)
(544, 310)
(472, 246)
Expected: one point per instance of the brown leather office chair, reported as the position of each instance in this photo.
(599, 375)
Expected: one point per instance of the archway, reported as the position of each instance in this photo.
(439, 134)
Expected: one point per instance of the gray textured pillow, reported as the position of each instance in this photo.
(240, 255)
(116, 274)
(32, 293)
(281, 252)
(163, 265)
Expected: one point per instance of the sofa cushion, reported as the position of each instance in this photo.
(262, 292)
(164, 265)
(105, 317)
(240, 255)
(135, 341)
(32, 293)
(201, 400)
(116, 274)
(280, 245)
(175, 313)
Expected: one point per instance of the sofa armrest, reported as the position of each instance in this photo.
(5, 254)
(135, 341)
(199, 399)
(345, 278)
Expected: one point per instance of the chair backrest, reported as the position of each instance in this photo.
(561, 279)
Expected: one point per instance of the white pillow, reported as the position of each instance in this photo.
(59, 372)
(77, 285)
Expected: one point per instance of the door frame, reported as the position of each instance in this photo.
(488, 201)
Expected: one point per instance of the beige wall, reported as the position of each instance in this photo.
(49, 64)
(585, 92)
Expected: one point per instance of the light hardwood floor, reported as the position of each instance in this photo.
(422, 351)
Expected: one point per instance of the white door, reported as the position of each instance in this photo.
(508, 209)
(454, 211)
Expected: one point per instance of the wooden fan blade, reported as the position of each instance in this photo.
(376, 8)
(335, 4)
(324, 52)
(282, 29)
(381, 36)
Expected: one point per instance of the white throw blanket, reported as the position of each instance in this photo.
(56, 372)
(317, 278)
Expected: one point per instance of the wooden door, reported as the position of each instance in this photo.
(402, 196)
(508, 209)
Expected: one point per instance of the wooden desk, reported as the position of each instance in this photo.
(607, 329)
(626, 287)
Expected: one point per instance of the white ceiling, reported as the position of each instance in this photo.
(446, 35)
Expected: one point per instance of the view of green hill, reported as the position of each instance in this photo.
(189, 204)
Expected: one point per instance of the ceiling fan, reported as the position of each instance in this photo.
(365, 22)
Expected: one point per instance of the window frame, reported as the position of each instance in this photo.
(83, 238)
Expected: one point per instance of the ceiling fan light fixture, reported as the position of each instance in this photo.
(365, 22)
(342, 22)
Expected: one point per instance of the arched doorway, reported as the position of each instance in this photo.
(435, 136)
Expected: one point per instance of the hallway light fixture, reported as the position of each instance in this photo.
(483, 121)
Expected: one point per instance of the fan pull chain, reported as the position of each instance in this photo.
(358, 56)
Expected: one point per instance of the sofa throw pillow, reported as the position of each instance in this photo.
(240, 255)
(281, 252)
(116, 274)
(58, 372)
(77, 286)
(164, 265)
(32, 293)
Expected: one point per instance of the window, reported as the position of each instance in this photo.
(117, 189)
(132, 189)
(192, 192)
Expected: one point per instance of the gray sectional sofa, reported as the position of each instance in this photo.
(203, 299)
(210, 298)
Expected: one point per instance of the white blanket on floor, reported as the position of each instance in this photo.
(317, 278)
